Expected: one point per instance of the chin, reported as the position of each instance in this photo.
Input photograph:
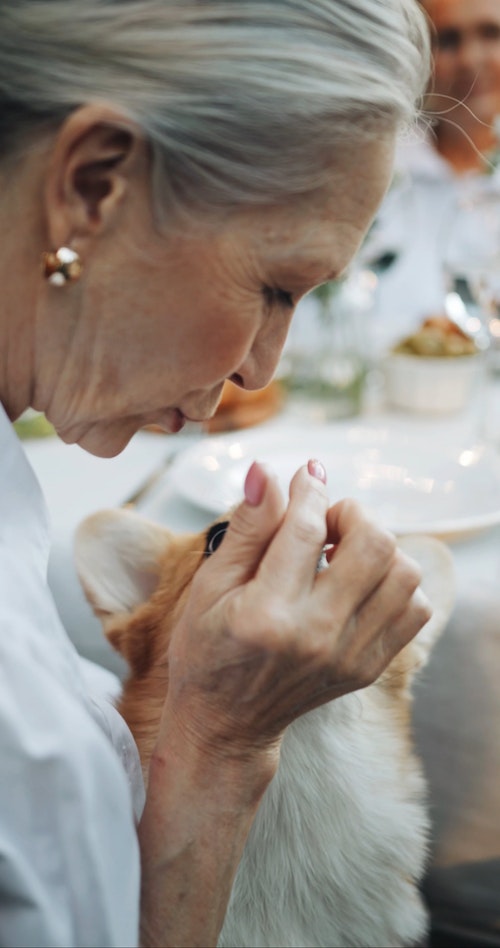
(106, 439)
(102, 440)
(107, 445)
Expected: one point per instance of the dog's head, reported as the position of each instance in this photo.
(137, 574)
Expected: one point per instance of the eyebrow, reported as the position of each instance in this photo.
(458, 33)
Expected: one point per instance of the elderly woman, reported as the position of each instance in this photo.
(186, 172)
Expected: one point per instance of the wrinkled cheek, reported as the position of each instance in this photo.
(222, 352)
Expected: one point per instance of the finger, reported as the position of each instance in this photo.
(375, 652)
(438, 580)
(344, 516)
(251, 529)
(364, 555)
(292, 557)
(391, 598)
(407, 625)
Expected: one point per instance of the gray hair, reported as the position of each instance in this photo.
(241, 101)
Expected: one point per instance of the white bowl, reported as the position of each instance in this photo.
(434, 385)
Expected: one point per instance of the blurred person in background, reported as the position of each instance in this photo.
(443, 207)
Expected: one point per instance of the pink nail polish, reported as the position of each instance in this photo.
(317, 470)
(255, 485)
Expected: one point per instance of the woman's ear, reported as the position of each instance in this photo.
(98, 156)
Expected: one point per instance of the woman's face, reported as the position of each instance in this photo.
(466, 57)
(164, 320)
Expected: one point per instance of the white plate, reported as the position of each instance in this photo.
(407, 477)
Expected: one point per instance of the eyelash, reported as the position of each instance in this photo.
(274, 294)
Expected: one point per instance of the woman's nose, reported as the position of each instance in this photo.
(261, 362)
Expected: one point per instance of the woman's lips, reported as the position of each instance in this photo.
(172, 420)
(176, 419)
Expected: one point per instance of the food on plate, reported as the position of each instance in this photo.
(434, 370)
(438, 336)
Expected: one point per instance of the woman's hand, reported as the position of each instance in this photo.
(265, 637)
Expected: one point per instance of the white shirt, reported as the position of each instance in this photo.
(421, 222)
(69, 859)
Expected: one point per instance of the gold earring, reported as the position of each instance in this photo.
(61, 266)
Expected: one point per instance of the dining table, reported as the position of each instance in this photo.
(438, 475)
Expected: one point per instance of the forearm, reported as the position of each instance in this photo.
(192, 833)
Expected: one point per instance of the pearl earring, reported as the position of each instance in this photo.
(62, 266)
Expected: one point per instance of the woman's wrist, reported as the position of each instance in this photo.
(199, 809)
(230, 773)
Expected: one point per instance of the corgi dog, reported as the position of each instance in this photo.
(339, 843)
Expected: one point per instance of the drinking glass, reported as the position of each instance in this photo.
(324, 365)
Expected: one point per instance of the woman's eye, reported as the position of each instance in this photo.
(276, 296)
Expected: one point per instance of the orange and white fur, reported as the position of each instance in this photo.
(339, 842)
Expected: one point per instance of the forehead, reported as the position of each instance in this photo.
(324, 228)
(462, 13)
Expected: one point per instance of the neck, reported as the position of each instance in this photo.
(465, 148)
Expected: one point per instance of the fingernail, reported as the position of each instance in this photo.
(317, 470)
(255, 485)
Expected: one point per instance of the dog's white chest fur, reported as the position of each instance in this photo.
(339, 838)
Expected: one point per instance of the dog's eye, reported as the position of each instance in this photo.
(215, 536)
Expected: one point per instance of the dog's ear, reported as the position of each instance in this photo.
(438, 583)
(118, 555)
